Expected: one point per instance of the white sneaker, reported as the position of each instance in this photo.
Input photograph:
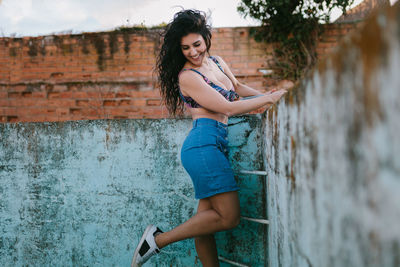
(147, 246)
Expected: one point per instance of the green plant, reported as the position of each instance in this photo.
(292, 26)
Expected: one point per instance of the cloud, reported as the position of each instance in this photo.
(32, 17)
(14, 11)
(42, 17)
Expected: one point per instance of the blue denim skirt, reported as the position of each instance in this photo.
(204, 156)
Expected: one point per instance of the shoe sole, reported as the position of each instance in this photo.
(133, 264)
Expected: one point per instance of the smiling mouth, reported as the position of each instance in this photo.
(197, 57)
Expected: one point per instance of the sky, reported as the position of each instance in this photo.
(45, 17)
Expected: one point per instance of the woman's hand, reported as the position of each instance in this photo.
(286, 84)
(276, 95)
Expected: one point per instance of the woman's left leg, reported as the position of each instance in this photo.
(223, 215)
(205, 245)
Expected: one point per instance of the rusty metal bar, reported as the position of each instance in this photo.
(232, 262)
(262, 221)
(253, 172)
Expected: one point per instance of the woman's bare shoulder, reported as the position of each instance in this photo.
(187, 77)
(221, 62)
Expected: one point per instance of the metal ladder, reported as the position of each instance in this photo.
(256, 220)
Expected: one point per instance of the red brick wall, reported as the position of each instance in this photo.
(109, 74)
(332, 35)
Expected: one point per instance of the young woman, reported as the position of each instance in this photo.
(188, 75)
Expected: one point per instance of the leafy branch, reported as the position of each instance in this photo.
(292, 27)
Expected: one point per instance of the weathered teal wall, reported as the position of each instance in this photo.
(332, 157)
(80, 193)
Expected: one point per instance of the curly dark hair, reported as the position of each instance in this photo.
(171, 60)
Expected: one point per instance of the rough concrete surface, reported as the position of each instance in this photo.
(332, 156)
(81, 193)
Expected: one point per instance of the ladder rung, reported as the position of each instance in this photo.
(262, 221)
(253, 172)
(232, 262)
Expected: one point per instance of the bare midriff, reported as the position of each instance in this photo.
(204, 113)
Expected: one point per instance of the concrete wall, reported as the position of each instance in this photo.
(332, 157)
(81, 193)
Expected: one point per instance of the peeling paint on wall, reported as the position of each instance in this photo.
(80, 193)
(331, 153)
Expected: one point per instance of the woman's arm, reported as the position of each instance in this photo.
(244, 90)
(193, 85)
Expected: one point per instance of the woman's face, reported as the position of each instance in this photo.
(194, 48)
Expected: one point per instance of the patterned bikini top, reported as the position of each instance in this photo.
(230, 95)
